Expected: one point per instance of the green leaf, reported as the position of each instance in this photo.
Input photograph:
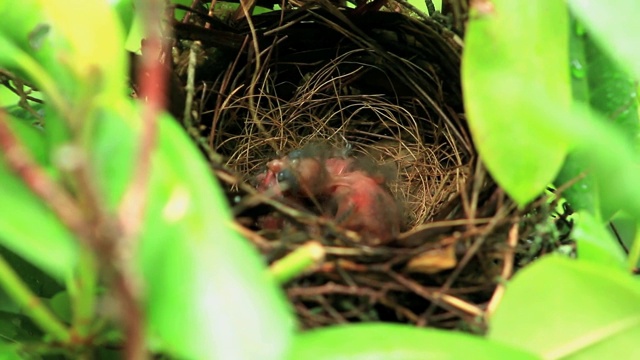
(41, 285)
(624, 227)
(126, 12)
(17, 35)
(112, 149)
(94, 57)
(207, 292)
(72, 53)
(599, 82)
(570, 309)
(610, 157)
(614, 25)
(392, 341)
(595, 243)
(612, 91)
(17, 328)
(49, 245)
(503, 69)
(10, 351)
(583, 195)
(60, 304)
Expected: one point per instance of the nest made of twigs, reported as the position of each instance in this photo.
(386, 85)
(390, 106)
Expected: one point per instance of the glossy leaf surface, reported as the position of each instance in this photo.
(208, 294)
(581, 310)
(503, 70)
(397, 342)
(614, 25)
(600, 83)
(27, 226)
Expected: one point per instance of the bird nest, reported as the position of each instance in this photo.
(379, 85)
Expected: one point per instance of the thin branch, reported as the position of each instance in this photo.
(152, 79)
(451, 302)
(507, 271)
(152, 76)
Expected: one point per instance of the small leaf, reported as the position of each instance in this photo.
(583, 194)
(570, 309)
(60, 304)
(392, 341)
(503, 69)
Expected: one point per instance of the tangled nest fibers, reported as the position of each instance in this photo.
(387, 85)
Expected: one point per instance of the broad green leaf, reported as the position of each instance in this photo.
(583, 194)
(512, 53)
(599, 82)
(25, 51)
(397, 342)
(595, 243)
(207, 292)
(113, 148)
(41, 285)
(610, 157)
(125, 9)
(26, 116)
(605, 151)
(7, 97)
(614, 25)
(49, 245)
(607, 155)
(9, 351)
(570, 309)
(17, 328)
(612, 91)
(60, 304)
(73, 53)
(94, 57)
(624, 227)
(32, 138)
(20, 33)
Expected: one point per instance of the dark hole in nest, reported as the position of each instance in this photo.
(388, 85)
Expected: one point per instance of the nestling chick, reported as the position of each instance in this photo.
(363, 205)
(355, 198)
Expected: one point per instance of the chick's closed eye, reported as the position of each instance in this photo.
(288, 178)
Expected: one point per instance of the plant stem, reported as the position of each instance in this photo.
(305, 257)
(31, 304)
